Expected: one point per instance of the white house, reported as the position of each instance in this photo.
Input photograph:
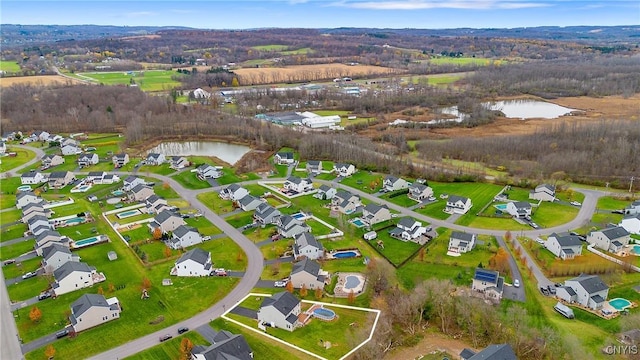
(543, 192)
(587, 290)
(55, 256)
(461, 243)
(284, 158)
(225, 345)
(419, 192)
(408, 229)
(249, 202)
(266, 214)
(155, 204)
(633, 208)
(519, 209)
(206, 171)
(38, 224)
(392, 183)
(47, 238)
(26, 197)
(458, 204)
(178, 162)
(566, 247)
(195, 262)
(325, 192)
(88, 159)
(70, 150)
(233, 192)
(307, 246)
(488, 283)
(51, 160)
(132, 181)
(92, 310)
(3, 147)
(307, 274)
(374, 213)
(155, 159)
(631, 223)
(314, 166)
(166, 221)
(184, 236)
(612, 239)
(344, 170)
(95, 177)
(120, 160)
(32, 178)
(289, 227)
(72, 276)
(281, 310)
(298, 185)
(110, 179)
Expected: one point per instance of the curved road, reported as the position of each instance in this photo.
(39, 154)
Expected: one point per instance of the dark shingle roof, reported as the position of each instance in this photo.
(54, 248)
(306, 265)
(86, 302)
(456, 198)
(183, 230)
(305, 239)
(495, 352)
(69, 267)
(198, 255)
(226, 346)
(406, 222)
(590, 283)
(462, 236)
(284, 302)
(615, 232)
(567, 240)
(248, 199)
(164, 216)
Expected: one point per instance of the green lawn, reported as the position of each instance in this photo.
(550, 214)
(272, 47)
(8, 193)
(434, 210)
(445, 60)
(225, 254)
(612, 203)
(395, 250)
(169, 349)
(365, 181)
(240, 219)
(10, 162)
(164, 169)
(204, 226)
(190, 181)
(18, 269)
(151, 80)
(300, 51)
(213, 202)
(479, 193)
(13, 232)
(15, 250)
(402, 200)
(9, 66)
(10, 216)
(27, 289)
(482, 222)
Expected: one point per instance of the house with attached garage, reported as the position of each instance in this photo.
(344, 170)
(92, 310)
(195, 262)
(633, 208)
(419, 192)
(458, 204)
(48, 238)
(519, 209)
(70, 150)
(120, 160)
(488, 284)
(345, 202)
(166, 221)
(284, 158)
(374, 213)
(325, 193)
(72, 276)
(34, 209)
(631, 223)
(140, 193)
(27, 197)
(408, 229)
(314, 166)
(155, 159)
(392, 183)
(109, 179)
(266, 214)
(491, 352)
(249, 202)
(51, 161)
(460, 242)
(307, 273)
(206, 171)
(155, 204)
(69, 141)
(298, 185)
(306, 245)
(233, 192)
(566, 247)
(281, 310)
(38, 224)
(56, 255)
(612, 239)
(184, 236)
(95, 177)
(132, 181)
(587, 290)
(179, 162)
(543, 192)
(225, 346)
(60, 179)
(88, 159)
(32, 178)
(289, 227)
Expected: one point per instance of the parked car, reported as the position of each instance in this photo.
(552, 290)
(9, 262)
(165, 337)
(30, 274)
(534, 225)
(44, 295)
(544, 291)
(183, 330)
(62, 333)
(575, 203)
(220, 272)
(516, 283)
(280, 284)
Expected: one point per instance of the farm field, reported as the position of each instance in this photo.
(37, 80)
(152, 80)
(307, 73)
(9, 66)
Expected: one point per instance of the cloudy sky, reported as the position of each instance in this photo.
(243, 14)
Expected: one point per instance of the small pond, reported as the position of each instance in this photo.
(530, 109)
(229, 153)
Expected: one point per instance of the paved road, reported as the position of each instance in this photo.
(9, 340)
(39, 155)
(512, 292)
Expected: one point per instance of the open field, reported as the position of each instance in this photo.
(307, 73)
(152, 80)
(37, 80)
(9, 66)
(10, 162)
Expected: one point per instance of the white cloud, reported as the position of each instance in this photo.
(439, 4)
(140, 14)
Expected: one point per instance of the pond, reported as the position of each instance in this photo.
(529, 109)
(229, 153)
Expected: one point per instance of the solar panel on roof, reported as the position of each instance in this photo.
(485, 276)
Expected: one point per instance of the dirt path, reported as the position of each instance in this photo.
(431, 343)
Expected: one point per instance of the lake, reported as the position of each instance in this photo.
(529, 109)
(229, 153)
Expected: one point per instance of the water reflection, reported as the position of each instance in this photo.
(229, 153)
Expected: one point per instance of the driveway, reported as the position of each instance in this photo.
(512, 292)
(243, 311)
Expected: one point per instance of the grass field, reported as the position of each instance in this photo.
(152, 80)
(22, 156)
(37, 80)
(190, 180)
(445, 60)
(169, 349)
(272, 47)
(307, 73)
(9, 66)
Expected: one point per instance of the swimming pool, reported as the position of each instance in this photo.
(636, 249)
(24, 188)
(126, 214)
(299, 216)
(352, 282)
(90, 241)
(357, 222)
(117, 192)
(324, 314)
(345, 254)
(620, 303)
(75, 220)
(501, 207)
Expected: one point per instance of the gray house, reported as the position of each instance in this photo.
(266, 214)
(88, 159)
(491, 352)
(612, 239)
(566, 247)
(325, 193)
(280, 310)
(587, 290)
(419, 192)
(55, 256)
(249, 202)
(307, 273)
(374, 213)
(132, 181)
(345, 202)
(46, 238)
(307, 246)
(289, 227)
(543, 192)
(225, 346)
(392, 183)
(25, 198)
(314, 166)
(92, 310)
(460, 242)
(166, 221)
(184, 236)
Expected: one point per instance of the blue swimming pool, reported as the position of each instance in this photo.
(298, 216)
(636, 249)
(324, 314)
(620, 303)
(90, 241)
(24, 188)
(352, 282)
(345, 254)
(126, 214)
(74, 221)
(358, 222)
(501, 207)
(117, 192)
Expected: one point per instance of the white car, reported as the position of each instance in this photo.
(516, 283)
(280, 284)
(575, 203)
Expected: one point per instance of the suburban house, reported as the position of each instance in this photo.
(249, 202)
(458, 204)
(95, 177)
(344, 170)
(184, 236)
(345, 202)
(233, 192)
(460, 242)
(587, 290)
(166, 221)
(39, 224)
(519, 209)
(120, 160)
(140, 193)
(392, 183)
(72, 276)
(314, 166)
(92, 310)
(491, 352)
(225, 346)
(56, 255)
(284, 158)
(88, 159)
(488, 283)
(110, 179)
(60, 179)
(195, 262)
(307, 246)
(40, 135)
(633, 208)
(178, 162)
(47, 238)
(155, 204)
(69, 141)
(266, 214)
(70, 150)
(612, 239)
(307, 273)
(419, 192)
(298, 185)
(631, 223)
(132, 181)
(289, 227)
(155, 159)
(543, 192)
(325, 193)
(51, 160)
(566, 247)
(33, 209)
(281, 310)
(26, 197)
(408, 229)
(374, 213)
(206, 171)
(32, 178)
